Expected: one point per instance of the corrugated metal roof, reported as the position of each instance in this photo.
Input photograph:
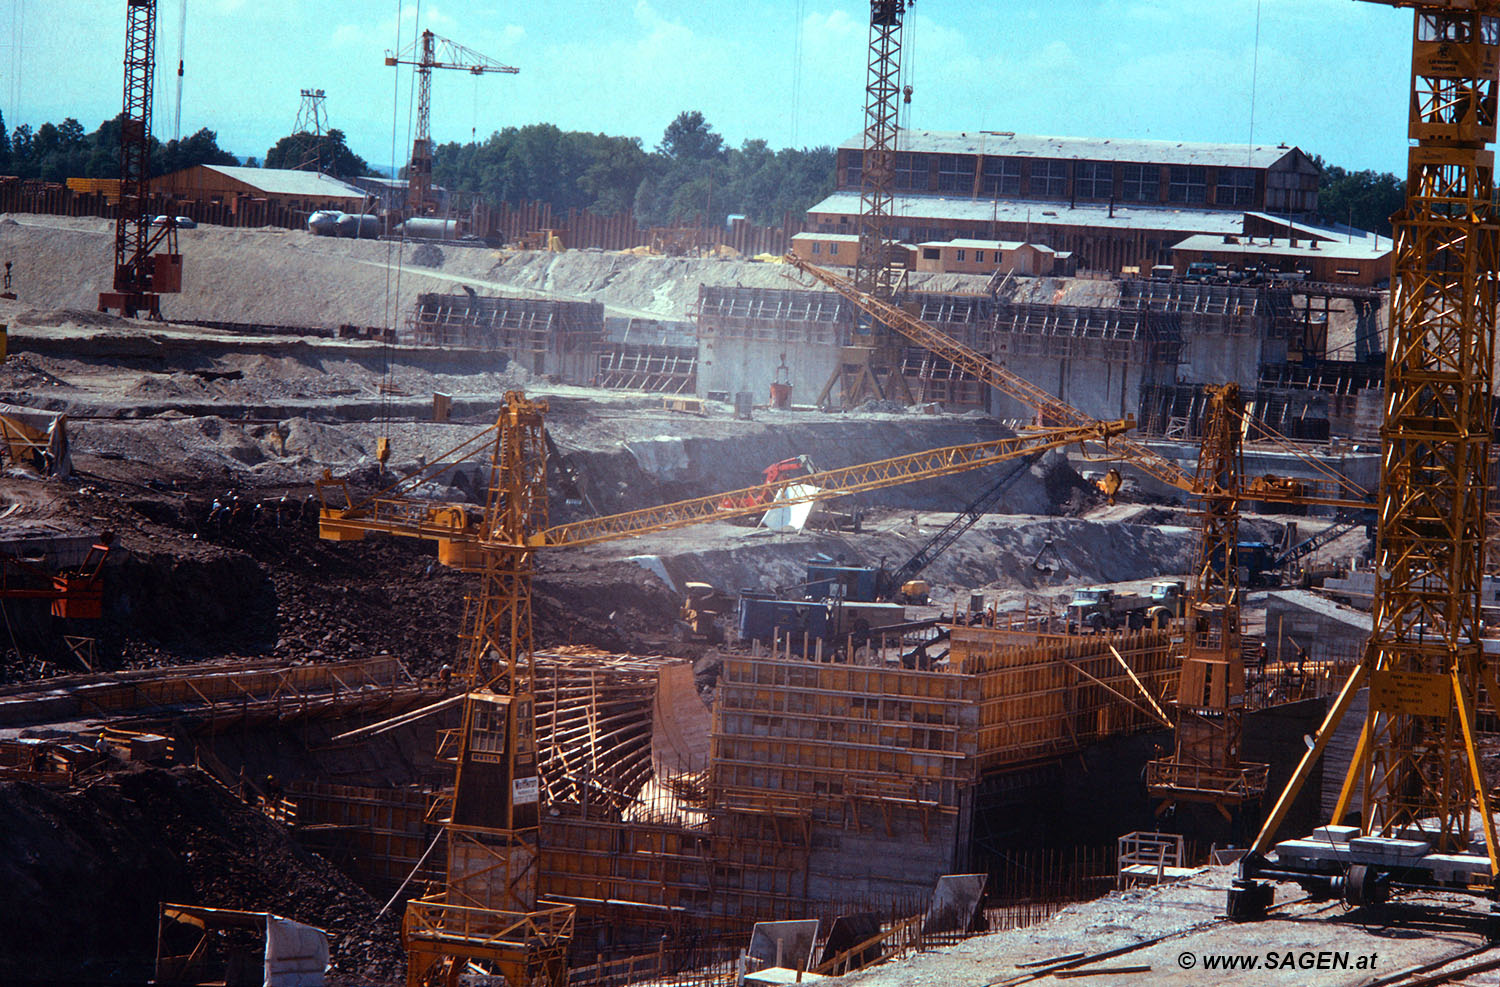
(982, 244)
(1003, 144)
(828, 237)
(937, 207)
(1340, 232)
(289, 181)
(1280, 248)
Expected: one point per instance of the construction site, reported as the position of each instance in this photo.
(426, 610)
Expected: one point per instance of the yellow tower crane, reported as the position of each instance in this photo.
(1424, 813)
(488, 915)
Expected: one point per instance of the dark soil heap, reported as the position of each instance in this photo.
(85, 870)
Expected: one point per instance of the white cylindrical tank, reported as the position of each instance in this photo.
(360, 226)
(424, 228)
(324, 222)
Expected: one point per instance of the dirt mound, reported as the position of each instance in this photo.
(69, 317)
(85, 871)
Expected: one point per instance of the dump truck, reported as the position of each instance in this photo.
(1097, 609)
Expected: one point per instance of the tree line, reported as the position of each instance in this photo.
(57, 152)
(691, 175)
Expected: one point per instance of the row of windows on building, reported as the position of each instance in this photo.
(1048, 178)
(930, 253)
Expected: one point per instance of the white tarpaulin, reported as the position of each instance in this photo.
(36, 439)
(791, 517)
(296, 954)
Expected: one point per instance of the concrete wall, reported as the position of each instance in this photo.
(1218, 358)
(751, 365)
(1300, 619)
(1106, 389)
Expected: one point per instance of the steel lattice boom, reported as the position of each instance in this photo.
(1416, 769)
(461, 533)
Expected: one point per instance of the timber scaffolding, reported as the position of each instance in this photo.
(809, 784)
(647, 355)
(216, 696)
(543, 334)
(806, 788)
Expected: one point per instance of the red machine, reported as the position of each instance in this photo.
(776, 473)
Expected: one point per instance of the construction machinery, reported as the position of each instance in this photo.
(426, 53)
(488, 915)
(1205, 764)
(1414, 809)
(870, 362)
(1288, 562)
(1100, 609)
(903, 583)
(775, 474)
(703, 609)
(147, 264)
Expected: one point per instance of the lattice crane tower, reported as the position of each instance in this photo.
(1416, 768)
(430, 52)
(141, 276)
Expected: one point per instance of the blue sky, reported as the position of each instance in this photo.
(1331, 75)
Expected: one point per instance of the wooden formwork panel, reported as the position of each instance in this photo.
(728, 869)
(834, 732)
(1061, 693)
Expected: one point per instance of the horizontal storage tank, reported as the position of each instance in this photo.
(360, 226)
(423, 228)
(324, 222)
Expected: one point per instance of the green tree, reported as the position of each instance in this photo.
(200, 149)
(309, 152)
(4, 146)
(690, 138)
(1365, 200)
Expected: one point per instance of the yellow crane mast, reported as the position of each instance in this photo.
(1425, 817)
(488, 914)
(1205, 765)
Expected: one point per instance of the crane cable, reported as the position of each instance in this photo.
(17, 43)
(393, 290)
(1254, 76)
(181, 51)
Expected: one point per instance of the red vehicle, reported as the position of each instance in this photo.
(787, 469)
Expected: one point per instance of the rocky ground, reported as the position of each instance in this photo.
(198, 449)
(85, 870)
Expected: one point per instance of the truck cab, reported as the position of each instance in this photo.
(1168, 601)
(1091, 609)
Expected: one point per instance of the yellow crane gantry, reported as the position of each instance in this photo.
(1416, 769)
(489, 912)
